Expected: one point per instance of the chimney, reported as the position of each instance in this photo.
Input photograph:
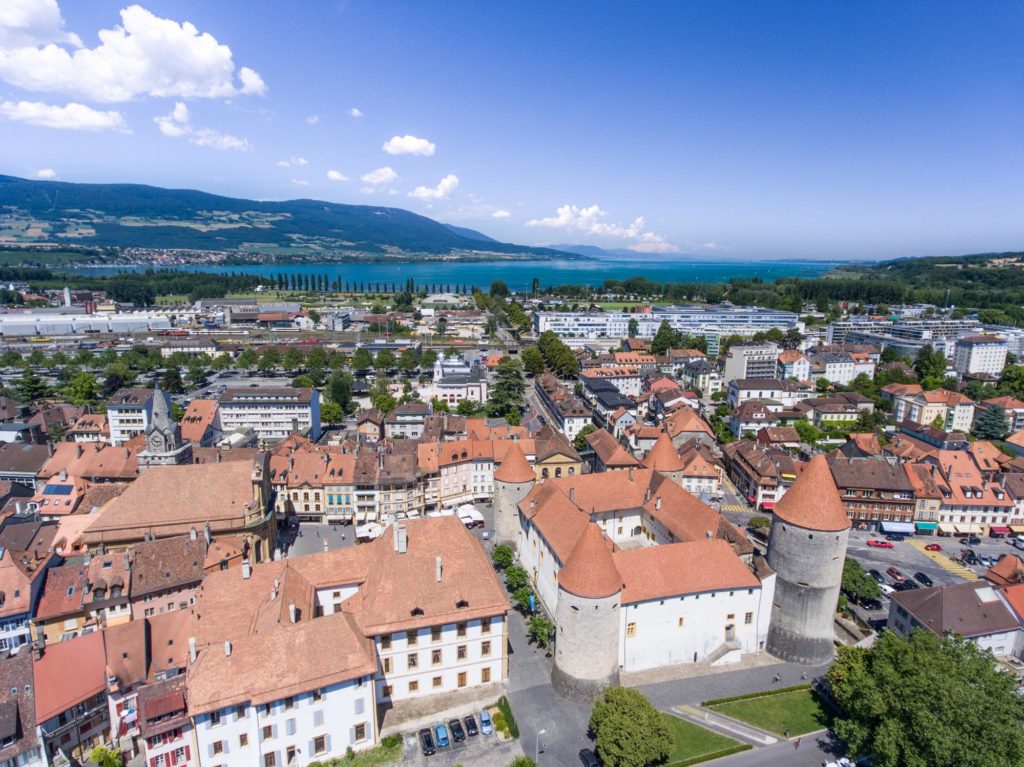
(293, 613)
(192, 534)
(709, 535)
(630, 473)
(63, 475)
(192, 649)
(401, 535)
(49, 449)
(572, 494)
(657, 503)
(207, 534)
(437, 568)
(647, 493)
(17, 507)
(78, 451)
(246, 570)
(227, 648)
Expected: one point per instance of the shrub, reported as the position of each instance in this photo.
(523, 761)
(759, 522)
(516, 578)
(498, 720)
(391, 741)
(541, 630)
(506, 710)
(522, 598)
(503, 556)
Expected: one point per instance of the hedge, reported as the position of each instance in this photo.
(762, 694)
(506, 709)
(714, 755)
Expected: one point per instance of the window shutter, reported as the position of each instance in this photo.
(359, 705)
(227, 746)
(209, 750)
(289, 727)
(310, 752)
(327, 742)
(318, 718)
(273, 731)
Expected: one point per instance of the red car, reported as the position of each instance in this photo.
(896, 575)
(880, 544)
(933, 547)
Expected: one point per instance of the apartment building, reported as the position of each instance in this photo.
(955, 411)
(980, 354)
(702, 320)
(567, 411)
(129, 412)
(272, 414)
(749, 361)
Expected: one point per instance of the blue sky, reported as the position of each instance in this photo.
(742, 130)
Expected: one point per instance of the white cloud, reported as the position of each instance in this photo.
(355, 112)
(590, 221)
(72, 116)
(500, 214)
(298, 161)
(300, 182)
(444, 189)
(409, 145)
(32, 22)
(145, 55)
(46, 174)
(367, 190)
(312, 119)
(336, 175)
(383, 175)
(177, 125)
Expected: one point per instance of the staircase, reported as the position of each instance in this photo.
(721, 651)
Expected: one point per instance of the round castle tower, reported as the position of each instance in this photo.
(807, 549)
(587, 619)
(665, 460)
(513, 480)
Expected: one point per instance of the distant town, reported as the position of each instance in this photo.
(330, 524)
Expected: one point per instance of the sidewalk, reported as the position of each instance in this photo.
(725, 725)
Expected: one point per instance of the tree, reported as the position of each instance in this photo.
(428, 359)
(939, 422)
(792, 339)
(533, 360)
(221, 362)
(293, 359)
(270, 359)
(407, 361)
(105, 757)
(113, 380)
(580, 442)
(503, 556)
(339, 389)
(82, 389)
(303, 381)
(380, 395)
(666, 338)
(196, 373)
(808, 432)
(508, 388)
(30, 386)
(466, 408)
(633, 327)
(522, 597)
(991, 422)
(171, 381)
(362, 360)
(499, 289)
(541, 630)
(516, 577)
(385, 360)
(857, 584)
(927, 700)
(331, 412)
(56, 432)
(930, 366)
(522, 761)
(630, 732)
(248, 359)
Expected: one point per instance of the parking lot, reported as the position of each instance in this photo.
(480, 749)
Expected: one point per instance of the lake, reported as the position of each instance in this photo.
(520, 274)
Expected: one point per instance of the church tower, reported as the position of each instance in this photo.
(164, 445)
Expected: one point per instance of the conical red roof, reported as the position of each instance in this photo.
(514, 468)
(663, 456)
(813, 501)
(590, 571)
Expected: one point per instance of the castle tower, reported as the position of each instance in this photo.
(587, 617)
(665, 460)
(164, 445)
(513, 479)
(807, 549)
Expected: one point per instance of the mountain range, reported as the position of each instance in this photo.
(138, 216)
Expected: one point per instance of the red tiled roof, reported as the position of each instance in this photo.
(514, 468)
(663, 456)
(813, 501)
(590, 571)
(68, 673)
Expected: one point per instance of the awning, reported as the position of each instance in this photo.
(968, 529)
(907, 528)
(926, 525)
(768, 505)
(1017, 528)
(945, 527)
(1001, 530)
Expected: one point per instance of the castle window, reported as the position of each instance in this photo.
(631, 629)
(682, 621)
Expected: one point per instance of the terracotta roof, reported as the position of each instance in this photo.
(813, 501)
(63, 592)
(1007, 403)
(670, 570)
(19, 708)
(68, 673)
(901, 390)
(1014, 596)
(686, 419)
(789, 356)
(199, 417)
(945, 397)
(167, 563)
(609, 450)
(590, 570)
(514, 469)
(968, 609)
(663, 456)
(15, 588)
(1007, 571)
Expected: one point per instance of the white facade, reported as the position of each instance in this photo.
(722, 319)
(127, 421)
(980, 354)
(751, 361)
(174, 748)
(272, 414)
(315, 725)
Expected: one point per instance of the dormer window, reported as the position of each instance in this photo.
(417, 611)
(462, 604)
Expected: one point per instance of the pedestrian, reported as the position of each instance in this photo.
(776, 678)
(798, 742)
(786, 731)
(804, 676)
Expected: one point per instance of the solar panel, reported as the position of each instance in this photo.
(57, 490)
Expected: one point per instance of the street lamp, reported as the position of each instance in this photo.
(536, 750)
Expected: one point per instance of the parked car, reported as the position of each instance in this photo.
(441, 736)
(458, 734)
(877, 544)
(986, 561)
(971, 540)
(486, 726)
(923, 579)
(877, 576)
(589, 758)
(909, 585)
(970, 560)
(933, 547)
(886, 589)
(471, 728)
(895, 574)
(426, 742)
(895, 537)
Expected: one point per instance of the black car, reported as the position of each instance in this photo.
(971, 540)
(877, 576)
(923, 579)
(455, 728)
(895, 537)
(427, 742)
(910, 585)
(471, 728)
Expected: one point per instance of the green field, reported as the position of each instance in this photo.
(799, 711)
(695, 744)
(47, 257)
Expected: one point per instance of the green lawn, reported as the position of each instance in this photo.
(799, 711)
(388, 752)
(695, 744)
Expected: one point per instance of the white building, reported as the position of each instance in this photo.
(454, 381)
(128, 413)
(272, 413)
(785, 392)
(835, 367)
(704, 320)
(980, 354)
(628, 380)
(751, 361)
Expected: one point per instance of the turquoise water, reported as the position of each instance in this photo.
(520, 274)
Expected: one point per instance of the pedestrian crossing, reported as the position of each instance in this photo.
(945, 561)
(735, 507)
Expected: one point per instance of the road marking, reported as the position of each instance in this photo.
(945, 561)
